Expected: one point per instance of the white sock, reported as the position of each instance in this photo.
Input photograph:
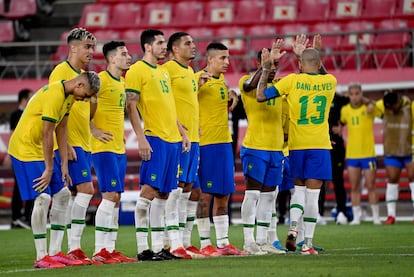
(103, 220)
(300, 227)
(68, 217)
(391, 197)
(191, 215)
(58, 220)
(39, 221)
(272, 232)
(78, 214)
(203, 226)
(412, 192)
(113, 234)
(221, 225)
(157, 223)
(142, 223)
(171, 218)
(356, 210)
(248, 214)
(297, 204)
(182, 213)
(375, 212)
(264, 216)
(311, 214)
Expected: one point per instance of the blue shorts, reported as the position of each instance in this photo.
(287, 181)
(263, 166)
(196, 184)
(217, 169)
(311, 164)
(161, 171)
(26, 172)
(398, 162)
(110, 168)
(364, 163)
(189, 163)
(79, 170)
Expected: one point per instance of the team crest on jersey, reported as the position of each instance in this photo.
(84, 173)
(250, 166)
(210, 184)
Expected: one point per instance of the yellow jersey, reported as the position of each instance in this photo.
(309, 97)
(265, 128)
(79, 131)
(213, 101)
(109, 115)
(185, 89)
(360, 139)
(48, 104)
(156, 103)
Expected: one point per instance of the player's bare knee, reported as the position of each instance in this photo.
(85, 188)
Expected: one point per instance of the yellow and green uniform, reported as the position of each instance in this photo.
(156, 101)
(360, 140)
(265, 128)
(309, 97)
(185, 89)
(48, 104)
(78, 123)
(109, 115)
(213, 101)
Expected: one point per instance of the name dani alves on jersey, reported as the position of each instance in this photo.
(317, 87)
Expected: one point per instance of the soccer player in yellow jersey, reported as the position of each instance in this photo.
(397, 113)
(160, 141)
(182, 202)
(39, 174)
(309, 96)
(108, 150)
(360, 152)
(216, 156)
(262, 160)
(81, 45)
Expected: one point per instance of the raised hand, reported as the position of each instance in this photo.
(266, 59)
(317, 42)
(275, 53)
(300, 44)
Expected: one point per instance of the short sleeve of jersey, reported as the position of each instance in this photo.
(284, 85)
(133, 80)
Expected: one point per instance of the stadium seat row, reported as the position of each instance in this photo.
(128, 14)
(18, 9)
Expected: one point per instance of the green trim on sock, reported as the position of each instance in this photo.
(248, 225)
(181, 225)
(68, 226)
(297, 206)
(142, 230)
(263, 224)
(309, 219)
(78, 221)
(39, 236)
(190, 218)
(158, 229)
(204, 238)
(57, 227)
(172, 227)
(102, 229)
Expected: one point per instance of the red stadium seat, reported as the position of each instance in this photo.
(157, 14)
(233, 38)
(391, 48)
(261, 36)
(202, 37)
(6, 31)
(281, 11)
(132, 40)
(373, 9)
(247, 12)
(291, 30)
(102, 37)
(219, 12)
(21, 8)
(2, 12)
(62, 51)
(95, 16)
(359, 42)
(405, 8)
(125, 15)
(313, 10)
(188, 14)
(330, 43)
(345, 9)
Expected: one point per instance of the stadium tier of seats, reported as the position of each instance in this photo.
(365, 27)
